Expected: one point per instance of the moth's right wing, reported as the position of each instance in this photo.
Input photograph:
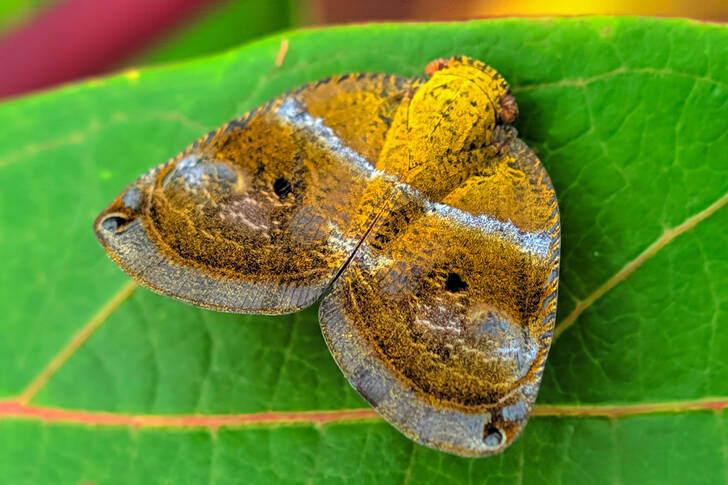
(444, 317)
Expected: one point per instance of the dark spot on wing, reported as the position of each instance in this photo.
(282, 187)
(454, 283)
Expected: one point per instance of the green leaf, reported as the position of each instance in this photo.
(104, 383)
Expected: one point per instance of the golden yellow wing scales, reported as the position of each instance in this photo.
(445, 121)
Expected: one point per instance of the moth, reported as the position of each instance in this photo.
(409, 206)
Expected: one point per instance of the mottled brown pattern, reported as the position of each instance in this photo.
(434, 227)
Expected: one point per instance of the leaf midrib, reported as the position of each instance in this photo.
(48, 414)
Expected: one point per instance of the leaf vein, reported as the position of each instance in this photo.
(16, 409)
(635, 263)
(585, 81)
(77, 340)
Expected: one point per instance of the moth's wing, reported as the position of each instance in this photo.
(444, 317)
(260, 215)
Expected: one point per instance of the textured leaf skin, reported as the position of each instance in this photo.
(627, 115)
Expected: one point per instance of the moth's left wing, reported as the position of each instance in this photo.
(444, 317)
(260, 215)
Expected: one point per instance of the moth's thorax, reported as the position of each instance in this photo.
(441, 134)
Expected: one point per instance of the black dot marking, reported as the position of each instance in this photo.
(492, 436)
(282, 187)
(454, 283)
(113, 223)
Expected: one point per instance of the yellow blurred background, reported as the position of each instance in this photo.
(44, 43)
(328, 11)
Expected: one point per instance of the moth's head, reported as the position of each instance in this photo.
(492, 84)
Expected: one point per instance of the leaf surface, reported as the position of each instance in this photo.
(101, 382)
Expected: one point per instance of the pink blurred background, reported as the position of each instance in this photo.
(44, 43)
